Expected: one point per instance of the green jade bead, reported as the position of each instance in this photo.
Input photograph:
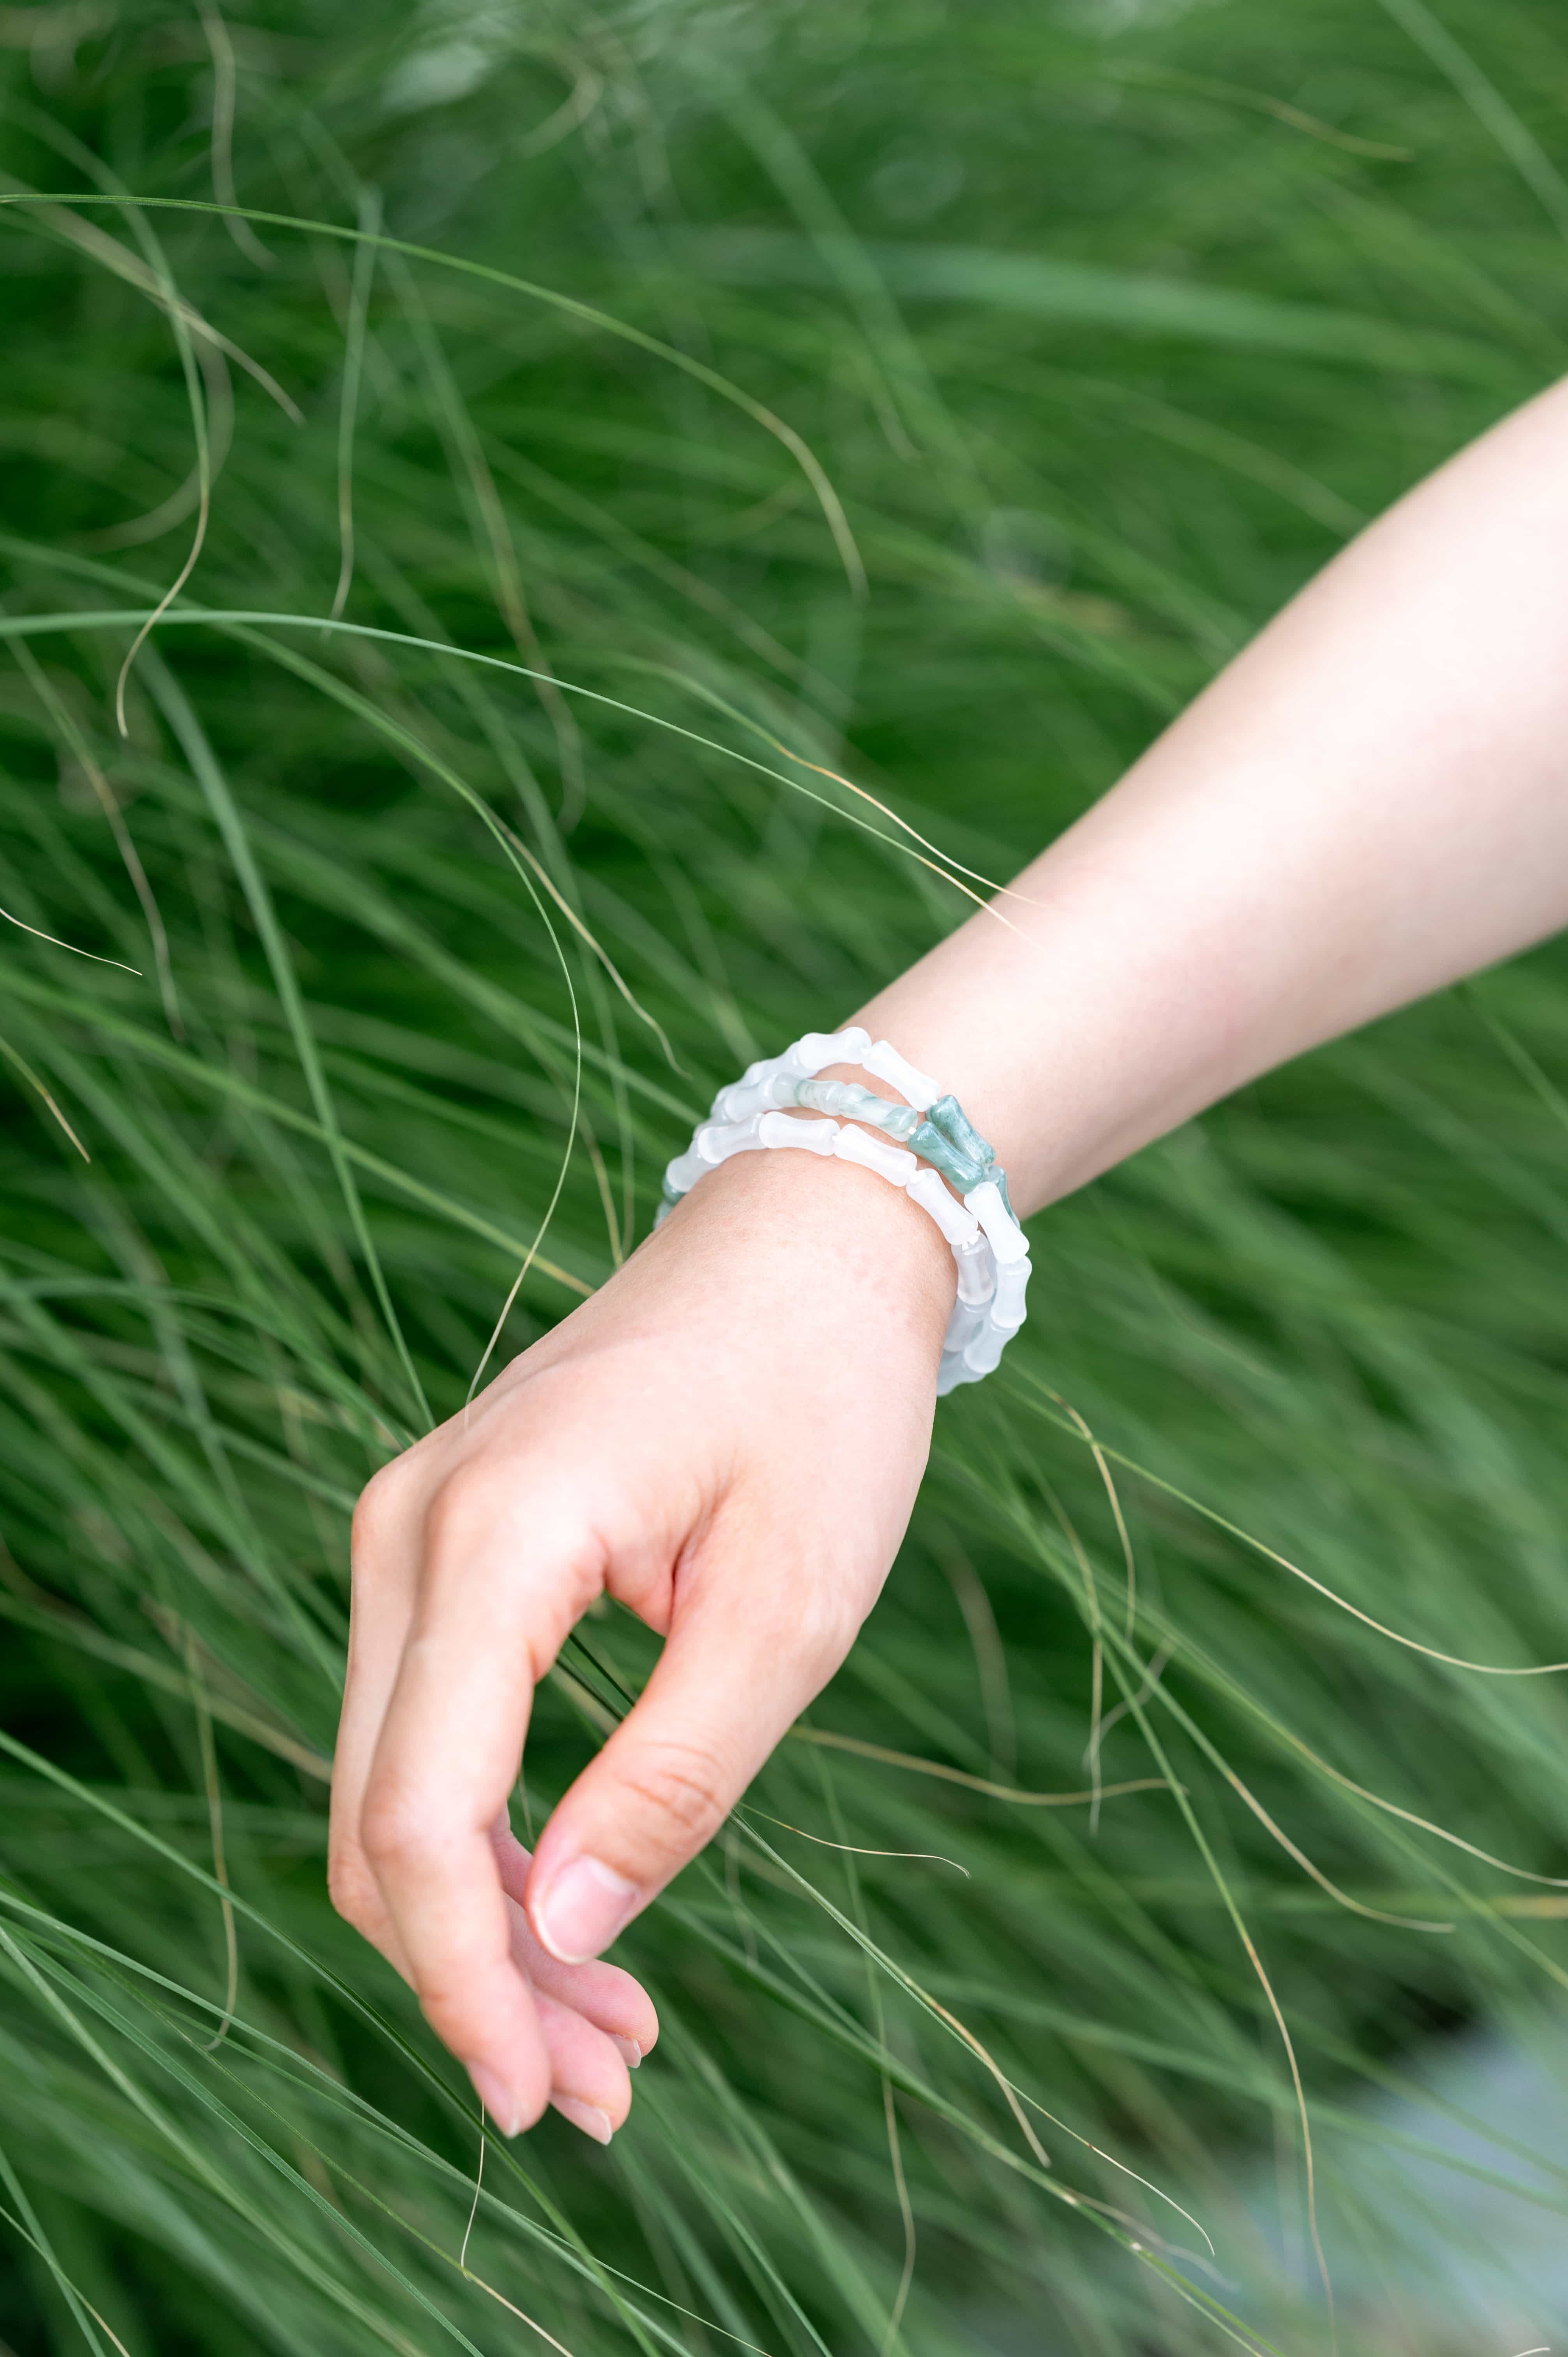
(850, 1102)
(945, 1138)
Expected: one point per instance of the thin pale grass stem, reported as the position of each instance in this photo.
(466, 451)
(474, 2207)
(237, 621)
(1096, 1653)
(1271, 1554)
(32, 1082)
(939, 1768)
(224, 85)
(168, 297)
(55, 942)
(1127, 1556)
(192, 738)
(214, 1825)
(827, 497)
(88, 238)
(906, 2214)
(287, 2057)
(1242, 1933)
(348, 403)
(1014, 2096)
(59, 713)
(578, 925)
(743, 720)
(851, 1850)
(1159, 1660)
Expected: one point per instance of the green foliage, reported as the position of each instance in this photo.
(933, 397)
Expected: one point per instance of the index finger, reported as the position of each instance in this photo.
(498, 1588)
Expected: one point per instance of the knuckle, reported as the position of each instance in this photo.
(392, 1832)
(447, 2001)
(461, 1506)
(351, 1886)
(824, 1624)
(684, 1784)
(377, 1508)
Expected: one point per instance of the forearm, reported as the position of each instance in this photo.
(1370, 802)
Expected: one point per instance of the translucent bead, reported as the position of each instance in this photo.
(983, 1355)
(682, 1175)
(976, 1270)
(808, 1137)
(718, 1140)
(889, 1065)
(959, 1226)
(815, 1051)
(1007, 1238)
(893, 1162)
(826, 1096)
(1011, 1280)
(742, 1098)
(851, 1101)
(933, 1146)
(948, 1116)
(964, 1324)
(989, 1251)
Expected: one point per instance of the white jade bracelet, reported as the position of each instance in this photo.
(989, 1248)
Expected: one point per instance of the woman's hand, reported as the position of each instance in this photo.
(727, 1438)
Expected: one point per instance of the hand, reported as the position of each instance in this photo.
(727, 1439)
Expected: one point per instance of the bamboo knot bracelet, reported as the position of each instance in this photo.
(925, 1144)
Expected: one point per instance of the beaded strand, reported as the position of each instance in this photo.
(916, 1146)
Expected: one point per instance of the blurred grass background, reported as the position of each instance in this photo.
(1106, 323)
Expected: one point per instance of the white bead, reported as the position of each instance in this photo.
(1004, 1235)
(915, 1088)
(716, 1141)
(976, 1270)
(989, 1248)
(781, 1129)
(926, 1187)
(1007, 1309)
(873, 1153)
(815, 1051)
(741, 1100)
(682, 1175)
(964, 1324)
(983, 1355)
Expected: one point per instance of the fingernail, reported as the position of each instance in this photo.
(582, 1909)
(587, 2116)
(631, 2052)
(496, 2098)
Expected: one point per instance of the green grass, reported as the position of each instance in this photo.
(1105, 326)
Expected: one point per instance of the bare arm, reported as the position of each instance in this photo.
(1372, 800)
(1369, 802)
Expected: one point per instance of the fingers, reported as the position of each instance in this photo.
(589, 2084)
(500, 1585)
(735, 1671)
(386, 1533)
(602, 1993)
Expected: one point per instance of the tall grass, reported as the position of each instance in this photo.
(936, 397)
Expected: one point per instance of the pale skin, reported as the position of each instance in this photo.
(1370, 802)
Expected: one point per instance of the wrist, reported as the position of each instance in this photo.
(809, 1227)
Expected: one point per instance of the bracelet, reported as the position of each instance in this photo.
(930, 1129)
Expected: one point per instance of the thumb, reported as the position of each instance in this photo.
(727, 1686)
